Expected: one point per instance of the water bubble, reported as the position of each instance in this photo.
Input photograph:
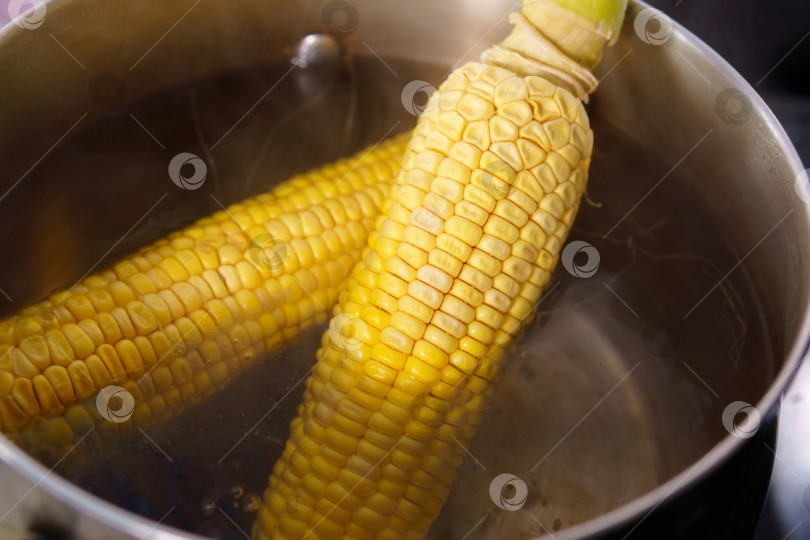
(209, 501)
(251, 502)
(317, 48)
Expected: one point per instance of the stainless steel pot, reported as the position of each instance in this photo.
(624, 400)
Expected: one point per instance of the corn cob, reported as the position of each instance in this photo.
(179, 318)
(488, 189)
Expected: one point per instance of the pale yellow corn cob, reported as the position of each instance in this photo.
(179, 318)
(487, 192)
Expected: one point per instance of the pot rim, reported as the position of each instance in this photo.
(128, 522)
(641, 507)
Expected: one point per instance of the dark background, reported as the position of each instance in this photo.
(754, 36)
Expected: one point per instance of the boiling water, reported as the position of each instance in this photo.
(619, 384)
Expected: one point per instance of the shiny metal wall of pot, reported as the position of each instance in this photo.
(663, 89)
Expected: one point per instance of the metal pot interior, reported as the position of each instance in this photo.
(618, 386)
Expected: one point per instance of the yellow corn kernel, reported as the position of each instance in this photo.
(101, 299)
(453, 246)
(23, 393)
(59, 379)
(130, 357)
(22, 366)
(403, 305)
(46, 396)
(98, 371)
(142, 318)
(93, 331)
(419, 237)
(408, 325)
(428, 352)
(35, 348)
(80, 343)
(463, 229)
(122, 320)
(109, 328)
(80, 306)
(204, 300)
(393, 285)
(421, 371)
(426, 294)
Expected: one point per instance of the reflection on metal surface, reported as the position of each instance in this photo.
(789, 496)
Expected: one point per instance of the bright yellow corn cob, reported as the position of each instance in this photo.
(179, 318)
(487, 192)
